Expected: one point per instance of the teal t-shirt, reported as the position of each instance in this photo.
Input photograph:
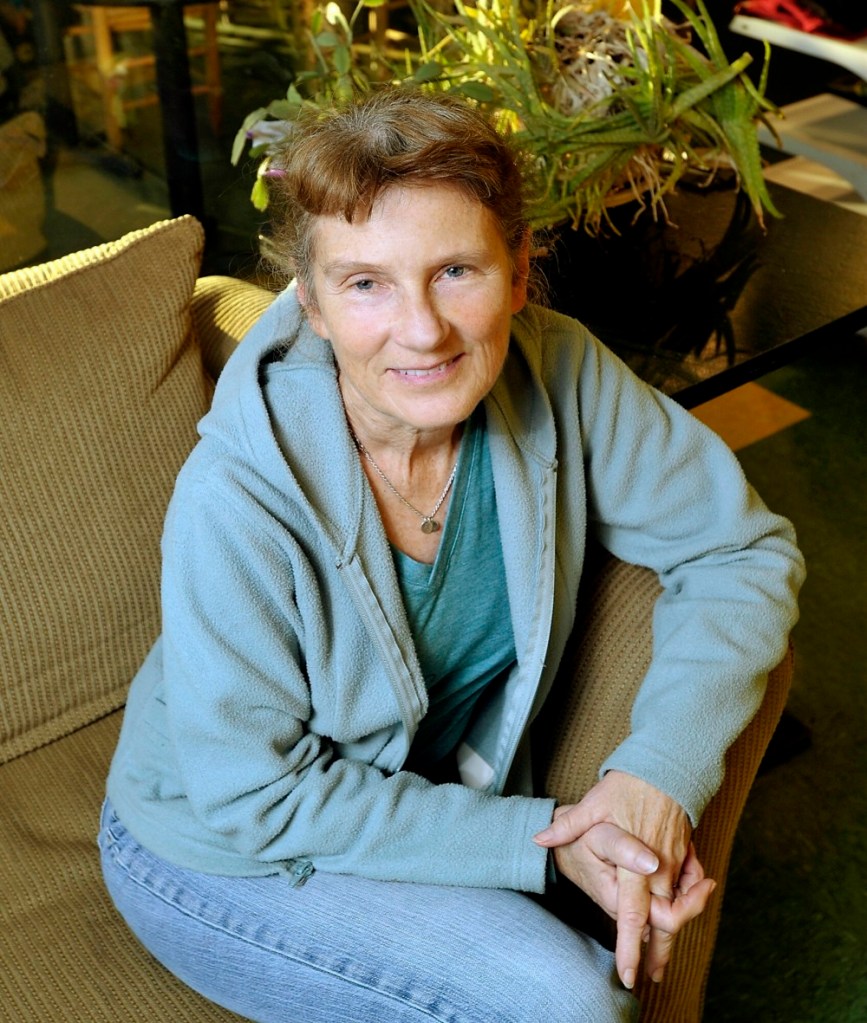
(458, 608)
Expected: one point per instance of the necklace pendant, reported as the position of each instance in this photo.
(429, 525)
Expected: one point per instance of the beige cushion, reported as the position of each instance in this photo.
(101, 385)
(65, 953)
(224, 309)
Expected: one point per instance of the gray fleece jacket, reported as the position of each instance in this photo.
(267, 729)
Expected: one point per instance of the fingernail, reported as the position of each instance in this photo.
(647, 862)
(629, 979)
(543, 836)
(657, 977)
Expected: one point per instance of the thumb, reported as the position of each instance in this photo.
(570, 822)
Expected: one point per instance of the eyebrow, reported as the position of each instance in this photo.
(339, 267)
(348, 268)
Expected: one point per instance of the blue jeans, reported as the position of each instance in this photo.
(346, 949)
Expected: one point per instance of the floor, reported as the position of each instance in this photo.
(793, 940)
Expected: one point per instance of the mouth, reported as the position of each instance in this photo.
(429, 373)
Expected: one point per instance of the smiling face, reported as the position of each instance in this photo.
(416, 302)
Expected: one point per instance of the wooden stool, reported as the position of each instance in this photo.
(106, 23)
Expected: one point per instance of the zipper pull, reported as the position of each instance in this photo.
(298, 872)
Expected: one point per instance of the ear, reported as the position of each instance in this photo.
(310, 307)
(521, 275)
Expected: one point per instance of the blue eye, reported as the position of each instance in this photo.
(454, 272)
(365, 285)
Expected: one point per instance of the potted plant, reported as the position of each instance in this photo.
(608, 100)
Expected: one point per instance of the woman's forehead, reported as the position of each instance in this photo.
(418, 211)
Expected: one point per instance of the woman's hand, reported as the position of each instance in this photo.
(628, 846)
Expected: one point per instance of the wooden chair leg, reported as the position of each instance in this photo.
(107, 69)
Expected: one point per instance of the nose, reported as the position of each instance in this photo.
(421, 324)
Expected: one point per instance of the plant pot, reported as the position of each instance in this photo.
(659, 283)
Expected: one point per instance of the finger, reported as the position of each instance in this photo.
(658, 956)
(619, 848)
(659, 941)
(633, 910)
(594, 877)
(569, 824)
(674, 916)
(589, 862)
(690, 873)
(667, 918)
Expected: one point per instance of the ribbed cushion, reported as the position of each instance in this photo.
(65, 953)
(224, 309)
(101, 385)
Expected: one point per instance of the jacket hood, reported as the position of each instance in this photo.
(238, 412)
(278, 408)
(271, 400)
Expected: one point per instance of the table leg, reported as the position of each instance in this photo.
(48, 40)
(183, 173)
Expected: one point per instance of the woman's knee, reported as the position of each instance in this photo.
(551, 973)
(344, 948)
(581, 989)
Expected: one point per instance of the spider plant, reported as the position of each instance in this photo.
(605, 103)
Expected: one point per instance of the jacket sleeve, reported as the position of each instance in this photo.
(242, 724)
(665, 492)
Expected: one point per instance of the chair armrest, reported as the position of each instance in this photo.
(603, 666)
(223, 310)
(680, 997)
(589, 716)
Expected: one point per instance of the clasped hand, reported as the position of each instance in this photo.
(627, 845)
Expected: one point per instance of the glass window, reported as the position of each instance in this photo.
(112, 119)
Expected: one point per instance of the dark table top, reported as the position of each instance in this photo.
(709, 301)
(139, 3)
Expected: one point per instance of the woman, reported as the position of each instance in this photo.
(319, 807)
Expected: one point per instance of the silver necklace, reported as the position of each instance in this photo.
(428, 523)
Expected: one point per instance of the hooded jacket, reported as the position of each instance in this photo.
(267, 729)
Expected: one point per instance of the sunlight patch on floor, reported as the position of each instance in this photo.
(748, 414)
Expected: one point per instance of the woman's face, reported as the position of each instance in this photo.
(416, 302)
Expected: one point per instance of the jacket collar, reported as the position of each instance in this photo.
(282, 384)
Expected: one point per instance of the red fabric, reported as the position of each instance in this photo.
(787, 12)
(807, 16)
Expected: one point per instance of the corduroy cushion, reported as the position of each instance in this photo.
(101, 385)
(224, 309)
(65, 953)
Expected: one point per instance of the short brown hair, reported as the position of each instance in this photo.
(338, 161)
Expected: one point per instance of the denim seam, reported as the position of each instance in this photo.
(386, 995)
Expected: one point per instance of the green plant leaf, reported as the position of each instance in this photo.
(428, 72)
(241, 137)
(477, 90)
(327, 40)
(259, 194)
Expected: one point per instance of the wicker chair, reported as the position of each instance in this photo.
(80, 609)
(609, 657)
